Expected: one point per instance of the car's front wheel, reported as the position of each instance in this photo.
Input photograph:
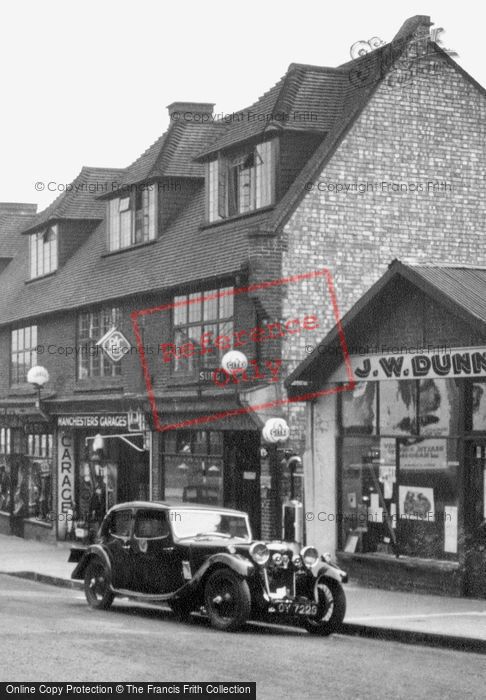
(332, 608)
(97, 586)
(227, 600)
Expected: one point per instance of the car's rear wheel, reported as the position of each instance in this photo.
(227, 600)
(332, 608)
(181, 609)
(97, 586)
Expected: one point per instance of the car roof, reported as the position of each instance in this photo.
(164, 505)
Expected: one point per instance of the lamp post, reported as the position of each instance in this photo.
(38, 376)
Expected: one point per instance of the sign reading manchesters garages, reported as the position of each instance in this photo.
(94, 420)
(416, 363)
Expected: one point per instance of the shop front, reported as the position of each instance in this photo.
(26, 474)
(395, 465)
(103, 459)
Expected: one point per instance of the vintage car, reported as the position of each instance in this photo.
(203, 558)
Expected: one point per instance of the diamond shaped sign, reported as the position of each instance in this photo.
(114, 345)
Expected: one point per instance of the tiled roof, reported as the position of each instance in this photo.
(172, 155)
(461, 289)
(11, 225)
(81, 201)
(183, 253)
(306, 98)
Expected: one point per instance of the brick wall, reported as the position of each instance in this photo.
(431, 128)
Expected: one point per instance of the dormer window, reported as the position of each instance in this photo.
(132, 219)
(43, 252)
(241, 183)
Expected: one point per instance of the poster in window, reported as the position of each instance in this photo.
(450, 529)
(479, 406)
(438, 407)
(416, 503)
(423, 455)
(359, 413)
(398, 402)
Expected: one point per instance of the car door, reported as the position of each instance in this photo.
(118, 544)
(157, 562)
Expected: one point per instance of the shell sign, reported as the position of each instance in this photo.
(276, 430)
(234, 361)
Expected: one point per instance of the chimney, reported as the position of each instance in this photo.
(414, 27)
(20, 208)
(196, 112)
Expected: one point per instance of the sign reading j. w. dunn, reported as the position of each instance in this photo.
(451, 362)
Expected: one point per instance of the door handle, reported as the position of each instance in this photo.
(168, 549)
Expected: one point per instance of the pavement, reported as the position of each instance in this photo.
(415, 618)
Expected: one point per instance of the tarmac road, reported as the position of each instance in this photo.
(50, 634)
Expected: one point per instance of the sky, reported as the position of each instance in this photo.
(88, 83)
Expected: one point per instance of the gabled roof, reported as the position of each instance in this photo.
(81, 201)
(461, 289)
(172, 154)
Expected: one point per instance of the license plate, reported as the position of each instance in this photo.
(292, 608)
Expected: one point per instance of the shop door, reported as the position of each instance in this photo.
(475, 520)
(18, 495)
(242, 475)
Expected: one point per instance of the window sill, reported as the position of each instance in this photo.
(41, 277)
(136, 246)
(236, 217)
(403, 561)
(41, 523)
(97, 383)
(24, 390)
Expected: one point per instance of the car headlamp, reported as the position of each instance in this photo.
(309, 555)
(277, 559)
(259, 553)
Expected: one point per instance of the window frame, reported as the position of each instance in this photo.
(224, 182)
(87, 358)
(17, 376)
(43, 256)
(210, 359)
(136, 202)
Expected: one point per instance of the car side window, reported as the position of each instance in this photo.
(120, 523)
(151, 524)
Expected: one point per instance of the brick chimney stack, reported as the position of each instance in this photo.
(196, 112)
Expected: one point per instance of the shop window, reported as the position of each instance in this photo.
(399, 495)
(359, 409)
(5, 469)
(193, 467)
(132, 219)
(427, 497)
(203, 329)
(33, 494)
(23, 353)
(92, 326)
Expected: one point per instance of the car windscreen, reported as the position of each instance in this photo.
(192, 523)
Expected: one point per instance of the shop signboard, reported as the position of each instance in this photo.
(94, 420)
(65, 453)
(414, 362)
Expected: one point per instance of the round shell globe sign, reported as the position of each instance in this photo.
(38, 375)
(234, 362)
(276, 430)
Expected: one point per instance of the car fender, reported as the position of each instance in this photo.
(93, 551)
(329, 571)
(240, 565)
